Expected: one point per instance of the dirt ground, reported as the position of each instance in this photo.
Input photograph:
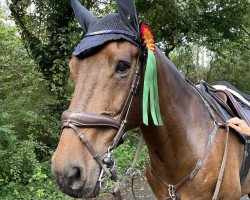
(141, 190)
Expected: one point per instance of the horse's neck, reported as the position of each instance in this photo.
(182, 137)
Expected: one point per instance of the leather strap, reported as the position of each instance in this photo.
(222, 168)
(173, 188)
(123, 119)
(96, 155)
(117, 193)
(89, 120)
(130, 172)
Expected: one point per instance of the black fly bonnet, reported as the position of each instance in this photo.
(113, 27)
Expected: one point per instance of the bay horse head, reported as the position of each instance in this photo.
(105, 71)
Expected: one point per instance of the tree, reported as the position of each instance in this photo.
(50, 33)
(232, 64)
(206, 23)
(45, 27)
(28, 130)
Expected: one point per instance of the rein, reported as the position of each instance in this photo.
(172, 188)
(76, 120)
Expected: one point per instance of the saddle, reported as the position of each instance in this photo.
(230, 102)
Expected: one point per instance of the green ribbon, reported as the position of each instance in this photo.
(150, 92)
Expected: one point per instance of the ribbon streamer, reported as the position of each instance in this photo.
(150, 91)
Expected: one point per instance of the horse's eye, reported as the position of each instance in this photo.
(122, 67)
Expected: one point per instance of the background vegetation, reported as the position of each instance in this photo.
(205, 39)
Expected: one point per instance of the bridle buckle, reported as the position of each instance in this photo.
(171, 192)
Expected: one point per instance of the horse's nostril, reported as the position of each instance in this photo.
(75, 178)
(74, 172)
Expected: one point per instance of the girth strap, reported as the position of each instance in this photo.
(89, 120)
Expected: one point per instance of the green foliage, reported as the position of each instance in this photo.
(23, 176)
(232, 64)
(221, 28)
(186, 58)
(207, 23)
(45, 27)
(229, 63)
(25, 119)
(124, 154)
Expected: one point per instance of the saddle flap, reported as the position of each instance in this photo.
(241, 109)
(222, 96)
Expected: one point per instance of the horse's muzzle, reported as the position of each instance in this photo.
(72, 181)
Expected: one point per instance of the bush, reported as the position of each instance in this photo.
(124, 154)
(23, 176)
(26, 117)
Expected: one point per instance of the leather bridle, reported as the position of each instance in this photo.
(77, 120)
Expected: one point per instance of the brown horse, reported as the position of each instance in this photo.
(103, 80)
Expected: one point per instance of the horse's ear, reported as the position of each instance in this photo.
(83, 16)
(127, 12)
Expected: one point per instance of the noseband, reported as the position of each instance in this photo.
(77, 120)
